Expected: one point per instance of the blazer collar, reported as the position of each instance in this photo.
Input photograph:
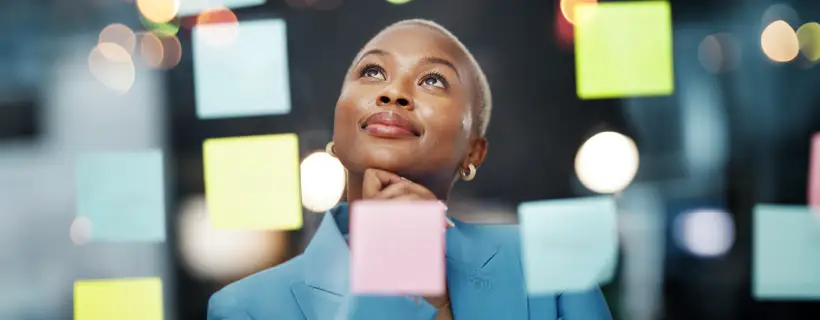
(327, 265)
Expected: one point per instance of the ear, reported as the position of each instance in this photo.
(478, 152)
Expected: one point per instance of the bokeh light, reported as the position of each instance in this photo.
(607, 162)
(719, 52)
(151, 49)
(779, 42)
(170, 28)
(219, 25)
(398, 1)
(568, 9)
(158, 11)
(563, 29)
(113, 66)
(323, 181)
(120, 34)
(808, 36)
(158, 51)
(80, 230)
(172, 52)
(224, 254)
(705, 232)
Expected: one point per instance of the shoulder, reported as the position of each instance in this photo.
(253, 296)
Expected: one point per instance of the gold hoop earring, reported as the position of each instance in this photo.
(469, 174)
(329, 149)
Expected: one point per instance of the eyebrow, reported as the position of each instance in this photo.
(425, 60)
(441, 61)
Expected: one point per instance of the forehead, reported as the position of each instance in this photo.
(417, 40)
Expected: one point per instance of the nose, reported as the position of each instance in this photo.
(394, 96)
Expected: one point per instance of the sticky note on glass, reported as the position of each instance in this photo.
(623, 49)
(247, 76)
(397, 248)
(121, 299)
(253, 182)
(194, 7)
(122, 194)
(786, 258)
(814, 174)
(568, 245)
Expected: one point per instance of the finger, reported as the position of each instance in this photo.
(409, 197)
(375, 180)
(405, 188)
(393, 190)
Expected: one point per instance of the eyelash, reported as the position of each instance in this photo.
(438, 76)
(367, 68)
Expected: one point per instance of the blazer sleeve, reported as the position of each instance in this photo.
(223, 306)
(583, 305)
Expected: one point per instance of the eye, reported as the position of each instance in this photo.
(435, 80)
(372, 71)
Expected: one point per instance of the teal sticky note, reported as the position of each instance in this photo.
(623, 49)
(568, 245)
(244, 73)
(195, 7)
(122, 194)
(786, 256)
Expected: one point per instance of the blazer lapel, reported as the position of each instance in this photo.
(485, 279)
(325, 295)
(326, 263)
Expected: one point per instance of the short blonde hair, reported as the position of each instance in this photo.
(483, 94)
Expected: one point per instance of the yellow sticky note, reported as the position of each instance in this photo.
(623, 49)
(118, 299)
(253, 182)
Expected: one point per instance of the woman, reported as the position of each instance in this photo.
(409, 122)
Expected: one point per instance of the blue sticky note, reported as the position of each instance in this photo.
(786, 256)
(123, 195)
(195, 7)
(245, 73)
(568, 245)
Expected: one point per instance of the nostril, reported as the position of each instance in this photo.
(403, 102)
(384, 99)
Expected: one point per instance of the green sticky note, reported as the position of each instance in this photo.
(121, 299)
(623, 49)
(253, 182)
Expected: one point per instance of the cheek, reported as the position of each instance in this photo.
(449, 129)
(347, 107)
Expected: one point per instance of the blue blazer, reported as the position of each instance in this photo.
(484, 278)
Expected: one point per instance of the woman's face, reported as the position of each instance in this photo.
(407, 105)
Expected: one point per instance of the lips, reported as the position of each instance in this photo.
(390, 125)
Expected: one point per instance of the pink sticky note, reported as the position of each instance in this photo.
(397, 248)
(814, 173)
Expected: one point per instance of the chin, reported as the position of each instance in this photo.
(388, 159)
(385, 157)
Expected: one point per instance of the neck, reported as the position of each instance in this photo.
(441, 189)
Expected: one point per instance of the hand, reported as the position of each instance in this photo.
(385, 185)
(380, 184)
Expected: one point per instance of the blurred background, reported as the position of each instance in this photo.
(86, 76)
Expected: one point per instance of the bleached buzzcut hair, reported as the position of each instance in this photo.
(483, 97)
